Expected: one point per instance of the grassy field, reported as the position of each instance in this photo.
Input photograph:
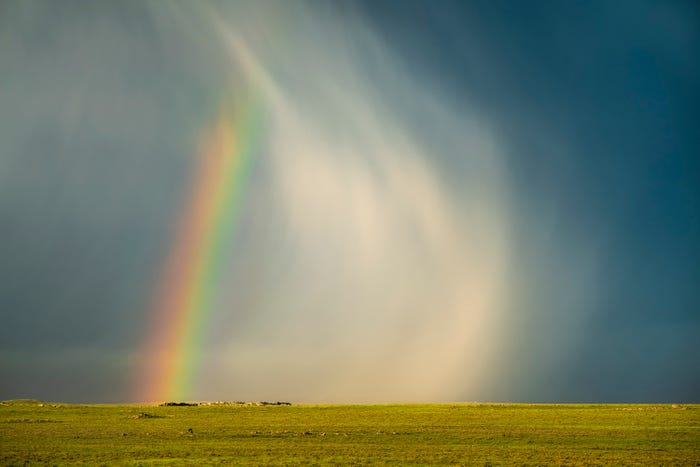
(32, 432)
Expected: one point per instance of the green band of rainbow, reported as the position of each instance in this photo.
(193, 271)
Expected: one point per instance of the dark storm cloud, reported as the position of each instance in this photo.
(552, 144)
(96, 127)
(597, 104)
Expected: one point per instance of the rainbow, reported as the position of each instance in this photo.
(187, 287)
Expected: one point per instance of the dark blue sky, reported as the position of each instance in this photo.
(598, 105)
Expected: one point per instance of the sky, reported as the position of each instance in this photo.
(350, 201)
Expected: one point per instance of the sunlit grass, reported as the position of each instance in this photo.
(37, 433)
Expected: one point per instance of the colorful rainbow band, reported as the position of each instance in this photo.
(193, 272)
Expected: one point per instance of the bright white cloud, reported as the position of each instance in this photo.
(393, 283)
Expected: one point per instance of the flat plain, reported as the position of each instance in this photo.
(41, 433)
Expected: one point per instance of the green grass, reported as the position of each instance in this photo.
(449, 434)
